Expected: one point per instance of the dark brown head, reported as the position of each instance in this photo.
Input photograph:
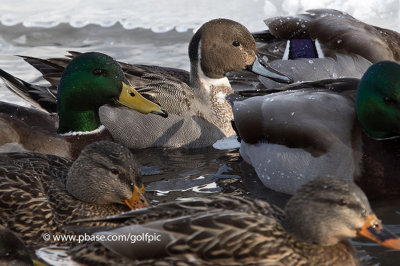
(225, 46)
(222, 46)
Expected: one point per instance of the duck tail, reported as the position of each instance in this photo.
(38, 96)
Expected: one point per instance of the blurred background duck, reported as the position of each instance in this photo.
(339, 127)
(227, 230)
(319, 44)
(89, 81)
(40, 193)
(198, 112)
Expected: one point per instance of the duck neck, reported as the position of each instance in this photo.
(77, 121)
(211, 91)
(198, 79)
(194, 76)
(374, 124)
(214, 92)
(310, 227)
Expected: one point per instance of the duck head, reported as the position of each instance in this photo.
(221, 46)
(329, 210)
(105, 173)
(378, 100)
(89, 81)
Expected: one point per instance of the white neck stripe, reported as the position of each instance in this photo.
(207, 82)
(75, 133)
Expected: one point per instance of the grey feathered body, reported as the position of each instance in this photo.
(195, 118)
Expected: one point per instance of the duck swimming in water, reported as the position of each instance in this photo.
(226, 230)
(89, 81)
(340, 127)
(40, 193)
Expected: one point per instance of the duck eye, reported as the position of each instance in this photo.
(389, 100)
(343, 202)
(236, 43)
(99, 72)
(114, 171)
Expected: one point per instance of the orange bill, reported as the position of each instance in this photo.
(373, 230)
(138, 199)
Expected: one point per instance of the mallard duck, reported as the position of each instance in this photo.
(228, 230)
(343, 127)
(89, 81)
(320, 44)
(199, 114)
(39, 193)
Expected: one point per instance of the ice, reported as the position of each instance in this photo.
(162, 16)
(227, 143)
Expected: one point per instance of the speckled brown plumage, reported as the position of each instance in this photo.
(33, 192)
(94, 253)
(229, 230)
(34, 200)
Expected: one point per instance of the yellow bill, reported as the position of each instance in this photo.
(129, 97)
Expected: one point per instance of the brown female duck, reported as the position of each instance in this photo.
(40, 193)
(225, 230)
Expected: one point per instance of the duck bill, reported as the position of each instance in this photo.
(373, 230)
(261, 68)
(129, 97)
(138, 199)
